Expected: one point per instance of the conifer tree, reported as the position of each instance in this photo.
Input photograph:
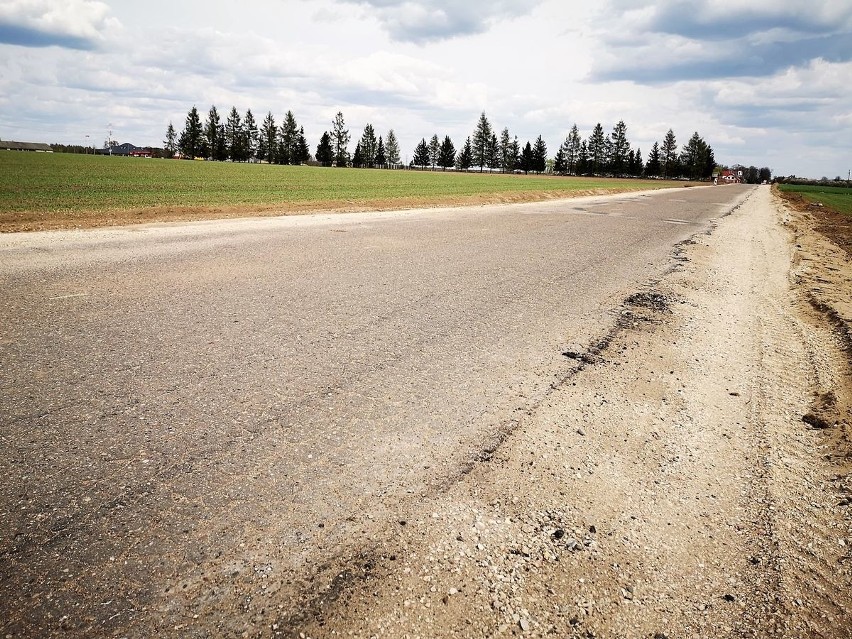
(392, 148)
(233, 135)
(596, 148)
(668, 155)
(170, 143)
(654, 167)
(507, 163)
(464, 160)
(560, 162)
(526, 164)
(325, 153)
(250, 135)
(434, 150)
(481, 139)
(381, 156)
(421, 154)
(190, 138)
(358, 157)
(340, 140)
(368, 146)
(447, 156)
(572, 149)
(266, 144)
(619, 148)
(583, 158)
(539, 156)
(211, 131)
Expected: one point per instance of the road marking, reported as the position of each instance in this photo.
(673, 221)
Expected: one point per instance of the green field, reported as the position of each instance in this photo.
(835, 197)
(39, 190)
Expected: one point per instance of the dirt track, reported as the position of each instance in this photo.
(670, 488)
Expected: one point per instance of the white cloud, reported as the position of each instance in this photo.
(76, 24)
(535, 68)
(424, 21)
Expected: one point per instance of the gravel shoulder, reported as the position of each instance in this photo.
(668, 487)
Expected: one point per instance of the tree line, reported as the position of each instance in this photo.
(240, 139)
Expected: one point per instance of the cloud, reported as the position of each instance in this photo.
(671, 40)
(71, 24)
(423, 21)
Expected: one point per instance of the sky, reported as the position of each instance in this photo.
(764, 82)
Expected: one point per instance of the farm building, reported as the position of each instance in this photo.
(39, 147)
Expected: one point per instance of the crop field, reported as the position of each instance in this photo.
(46, 191)
(834, 197)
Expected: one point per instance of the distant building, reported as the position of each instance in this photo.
(39, 147)
(128, 149)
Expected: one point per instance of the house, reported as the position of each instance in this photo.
(127, 150)
(39, 147)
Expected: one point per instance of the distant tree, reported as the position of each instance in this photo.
(515, 153)
(694, 158)
(507, 163)
(234, 136)
(434, 150)
(492, 153)
(358, 157)
(250, 136)
(266, 143)
(619, 148)
(303, 154)
(654, 167)
(464, 160)
(526, 164)
(369, 146)
(325, 152)
(381, 157)
(560, 163)
(170, 143)
(668, 155)
(447, 156)
(481, 139)
(752, 175)
(340, 140)
(539, 156)
(636, 163)
(597, 149)
(582, 166)
(709, 162)
(765, 175)
(392, 148)
(221, 150)
(572, 149)
(190, 138)
(421, 153)
(288, 140)
(211, 132)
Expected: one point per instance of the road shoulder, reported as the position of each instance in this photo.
(667, 487)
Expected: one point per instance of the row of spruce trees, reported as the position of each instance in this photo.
(241, 139)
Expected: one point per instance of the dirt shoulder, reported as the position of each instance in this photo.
(670, 486)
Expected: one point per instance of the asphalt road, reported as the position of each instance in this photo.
(188, 409)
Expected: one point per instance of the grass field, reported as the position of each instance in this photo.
(40, 191)
(835, 197)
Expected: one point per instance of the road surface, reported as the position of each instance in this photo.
(187, 406)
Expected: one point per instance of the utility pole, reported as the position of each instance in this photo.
(109, 137)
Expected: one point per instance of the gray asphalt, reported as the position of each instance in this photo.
(188, 409)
